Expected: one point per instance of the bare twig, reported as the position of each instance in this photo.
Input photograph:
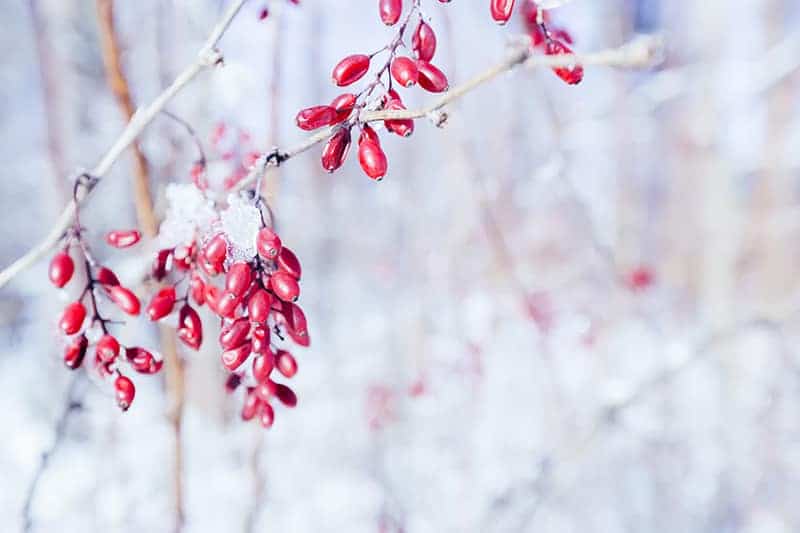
(71, 405)
(206, 58)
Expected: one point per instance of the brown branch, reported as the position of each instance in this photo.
(207, 57)
(118, 83)
(640, 53)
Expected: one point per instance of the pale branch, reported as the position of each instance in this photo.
(642, 52)
(207, 57)
(639, 53)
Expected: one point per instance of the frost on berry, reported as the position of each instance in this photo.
(240, 222)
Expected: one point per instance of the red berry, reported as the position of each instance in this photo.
(431, 78)
(259, 304)
(197, 288)
(162, 303)
(107, 349)
(125, 299)
(401, 127)
(239, 278)
(123, 238)
(251, 406)
(262, 367)
(212, 294)
(235, 334)
(501, 10)
(423, 42)
(343, 104)
(125, 392)
(285, 395)
(285, 286)
(404, 71)
(227, 303)
(143, 361)
(315, 117)
(106, 277)
(372, 159)
(216, 249)
(161, 264)
(268, 244)
(190, 327)
(288, 262)
(266, 390)
(335, 151)
(367, 133)
(75, 352)
(61, 269)
(260, 336)
(296, 324)
(571, 74)
(267, 417)
(350, 69)
(286, 363)
(72, 318)
(390, 11)
(233, 359)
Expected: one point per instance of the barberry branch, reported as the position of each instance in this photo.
(640, 53)
(207, 57)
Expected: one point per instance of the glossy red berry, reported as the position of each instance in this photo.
(61, 269)
(190, 327)
(315, 117)
(267, 417)
(285, 395)
(336, 149)
(570, 74)
(285, 286)
(252, 404)
(288, 262)
(197, 288)
(285, 363)
(368, 133)
(260, 336)
(216, 249)
(125, 299)
(268, 244)
(296, 324)
(233, 359)
(431, 78)
(75, 352)
(125, 392)
(227, 303)
(162, 303)
(372, 159)
(123, 238)
(390, 11)
(401, 127)
(161, 264)
(234, 334)
(404, 71)
(239, 278)
(343, 104)
(423, 42)
(262, 367)
(266, 390)
(106, 277)
(143, 361)
(259, 305)
(501, 10)
(350, 69)
(72, 318)
(107, 349)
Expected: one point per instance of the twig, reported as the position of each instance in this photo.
(72, 404)
(208, 57)
(639, 53)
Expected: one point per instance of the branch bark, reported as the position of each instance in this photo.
(207, 57)
(642, 52)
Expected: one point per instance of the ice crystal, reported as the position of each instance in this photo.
(240, 222)
(189, 213)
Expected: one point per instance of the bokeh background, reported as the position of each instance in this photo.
(572, 309)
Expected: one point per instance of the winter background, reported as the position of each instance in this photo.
(573, 309)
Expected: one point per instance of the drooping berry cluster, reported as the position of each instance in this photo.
(397, 70)
(255, 303)
(109, 354)
(553, 41)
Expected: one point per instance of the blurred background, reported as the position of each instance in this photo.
(572, 309)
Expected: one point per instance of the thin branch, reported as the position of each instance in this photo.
(207, 57)
(72, 404)
(118, 83)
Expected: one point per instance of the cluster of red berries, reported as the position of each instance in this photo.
(255, 302)
(400, 70)
(73, 320)
(552, 41)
